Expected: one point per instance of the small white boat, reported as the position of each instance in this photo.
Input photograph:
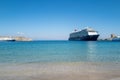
(6, 39)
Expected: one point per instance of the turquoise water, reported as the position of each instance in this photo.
(59, 51)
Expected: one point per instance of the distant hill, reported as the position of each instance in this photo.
(22, 38)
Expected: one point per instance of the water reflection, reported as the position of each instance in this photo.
(91, 51)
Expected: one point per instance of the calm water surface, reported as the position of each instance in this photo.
(59, 51)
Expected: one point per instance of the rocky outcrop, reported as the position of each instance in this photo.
(21, 38)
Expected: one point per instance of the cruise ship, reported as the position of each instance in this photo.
(87, 34)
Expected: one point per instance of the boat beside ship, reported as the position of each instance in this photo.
(87, 34)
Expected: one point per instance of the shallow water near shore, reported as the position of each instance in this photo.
(60, 60)
(59, 51)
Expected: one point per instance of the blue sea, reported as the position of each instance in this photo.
(59, 51)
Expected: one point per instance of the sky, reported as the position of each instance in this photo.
(56, 19)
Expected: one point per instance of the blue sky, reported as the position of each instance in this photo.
(55, 19)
